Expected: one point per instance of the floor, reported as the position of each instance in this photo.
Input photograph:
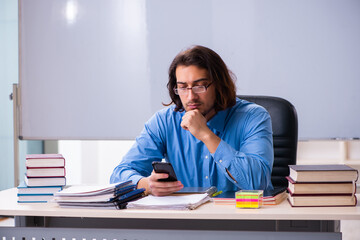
(350, 229)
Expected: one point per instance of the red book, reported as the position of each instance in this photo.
(44, 160)
(43, 181)
(323, 173)
(322, 200)
(46, 172)
(319, 188)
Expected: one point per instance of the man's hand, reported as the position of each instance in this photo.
(196, 124)
(156, 188)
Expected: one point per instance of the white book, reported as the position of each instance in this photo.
(44, 160)
(44, 181)
(23, 189)
(45, 172)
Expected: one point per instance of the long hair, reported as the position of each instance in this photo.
(205, 58)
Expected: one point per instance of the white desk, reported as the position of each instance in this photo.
(280, 219)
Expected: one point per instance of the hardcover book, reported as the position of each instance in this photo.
(323, 173)
(44, 160)
(35, 198)
(24, 189)
(274, 200)
(44, 181)
(321, 187)
(46, 172)
(322, 200)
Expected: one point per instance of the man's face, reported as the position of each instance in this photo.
(191, 76)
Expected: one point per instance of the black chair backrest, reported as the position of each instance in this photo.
(285, 134)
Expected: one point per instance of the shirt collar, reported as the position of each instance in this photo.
(218, 121)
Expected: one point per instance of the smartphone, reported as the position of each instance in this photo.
(165, 167)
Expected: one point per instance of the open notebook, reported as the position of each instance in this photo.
(177, 202)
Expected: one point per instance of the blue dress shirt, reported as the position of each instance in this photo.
(245, 150)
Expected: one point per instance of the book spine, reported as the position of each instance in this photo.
(357, 175)
(31, 172)
(319, 194)
(35, 194)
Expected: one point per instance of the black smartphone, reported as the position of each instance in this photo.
(165, 167)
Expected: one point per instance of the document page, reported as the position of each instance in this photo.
(178, 202)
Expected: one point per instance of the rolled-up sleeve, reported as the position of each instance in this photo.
(250, 166)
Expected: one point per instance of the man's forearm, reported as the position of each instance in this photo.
(211, 141)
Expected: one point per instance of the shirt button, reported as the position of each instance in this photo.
(206, 157)
(220, 161)
(206, 177)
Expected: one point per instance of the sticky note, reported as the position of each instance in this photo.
(249, 198)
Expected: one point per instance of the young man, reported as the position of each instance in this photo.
(211, 137)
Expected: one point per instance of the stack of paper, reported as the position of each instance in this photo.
(178, 202)
(114, 196)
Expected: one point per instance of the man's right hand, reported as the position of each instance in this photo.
(156, 188)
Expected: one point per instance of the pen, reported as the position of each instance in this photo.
(217, 193)
(211, 190)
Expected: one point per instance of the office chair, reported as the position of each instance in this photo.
(285, 134)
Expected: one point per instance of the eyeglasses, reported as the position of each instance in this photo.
(196, 89)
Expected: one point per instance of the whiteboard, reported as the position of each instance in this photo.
(97, 69)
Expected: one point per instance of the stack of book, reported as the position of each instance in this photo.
(45, 175)
(322, 185)
(111, 196)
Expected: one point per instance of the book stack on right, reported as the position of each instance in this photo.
(322, 185)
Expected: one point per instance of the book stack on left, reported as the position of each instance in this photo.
(45, 175)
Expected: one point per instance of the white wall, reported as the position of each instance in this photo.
(92, 162)
(112, 52)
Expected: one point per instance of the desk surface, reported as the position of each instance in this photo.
(283, 211)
